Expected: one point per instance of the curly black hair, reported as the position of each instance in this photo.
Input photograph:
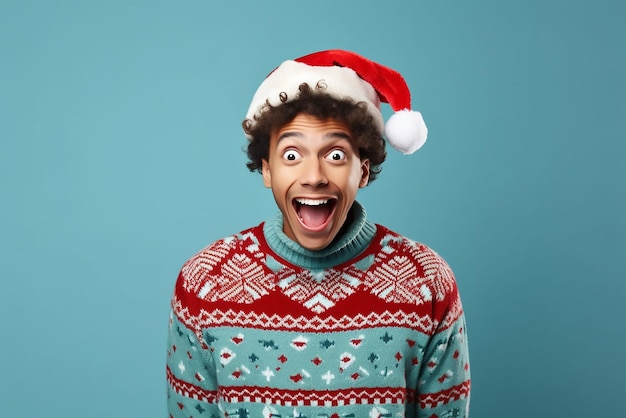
(369, 143)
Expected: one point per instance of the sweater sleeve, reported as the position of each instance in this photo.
(190, 370)
(444, 382)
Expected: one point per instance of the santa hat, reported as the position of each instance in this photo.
(344, 74)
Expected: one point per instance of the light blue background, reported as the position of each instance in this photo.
(121, 156)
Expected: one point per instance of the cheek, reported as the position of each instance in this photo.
(356, 177)
(349, 182)
(280, 182)
(280, 199)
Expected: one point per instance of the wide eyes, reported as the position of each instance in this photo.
(291, 155)
(336, 155)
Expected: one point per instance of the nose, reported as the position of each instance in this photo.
(313, 174)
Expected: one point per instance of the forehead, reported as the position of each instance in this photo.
(306, 121)
(306, 126)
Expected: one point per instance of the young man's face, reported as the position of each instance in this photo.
(314, 173)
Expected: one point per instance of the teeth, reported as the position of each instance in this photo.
(312, 202)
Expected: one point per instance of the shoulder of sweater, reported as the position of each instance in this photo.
(434, 267)
(400, 242)
(246, 240)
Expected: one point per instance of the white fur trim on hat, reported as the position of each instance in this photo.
(282, 85)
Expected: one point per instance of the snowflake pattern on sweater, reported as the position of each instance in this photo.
(254, 335)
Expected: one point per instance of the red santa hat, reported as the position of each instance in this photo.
(344, 74)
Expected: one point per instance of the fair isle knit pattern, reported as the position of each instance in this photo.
(371, 326)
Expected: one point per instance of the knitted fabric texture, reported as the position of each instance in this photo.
(371, 327)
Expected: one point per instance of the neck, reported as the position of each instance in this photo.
(355, 235)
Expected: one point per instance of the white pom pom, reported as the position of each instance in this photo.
(406, 131)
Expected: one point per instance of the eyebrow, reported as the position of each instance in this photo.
(329, 135)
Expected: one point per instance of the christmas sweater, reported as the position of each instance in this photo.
(371, 326)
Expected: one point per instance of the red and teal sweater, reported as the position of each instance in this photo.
(371, 326)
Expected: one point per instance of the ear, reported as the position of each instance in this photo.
(365, 173)
(267, 175)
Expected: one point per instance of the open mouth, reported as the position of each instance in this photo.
(314, 213)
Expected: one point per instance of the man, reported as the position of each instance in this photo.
(320, 312)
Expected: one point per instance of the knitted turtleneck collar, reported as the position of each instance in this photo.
(354, 237)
